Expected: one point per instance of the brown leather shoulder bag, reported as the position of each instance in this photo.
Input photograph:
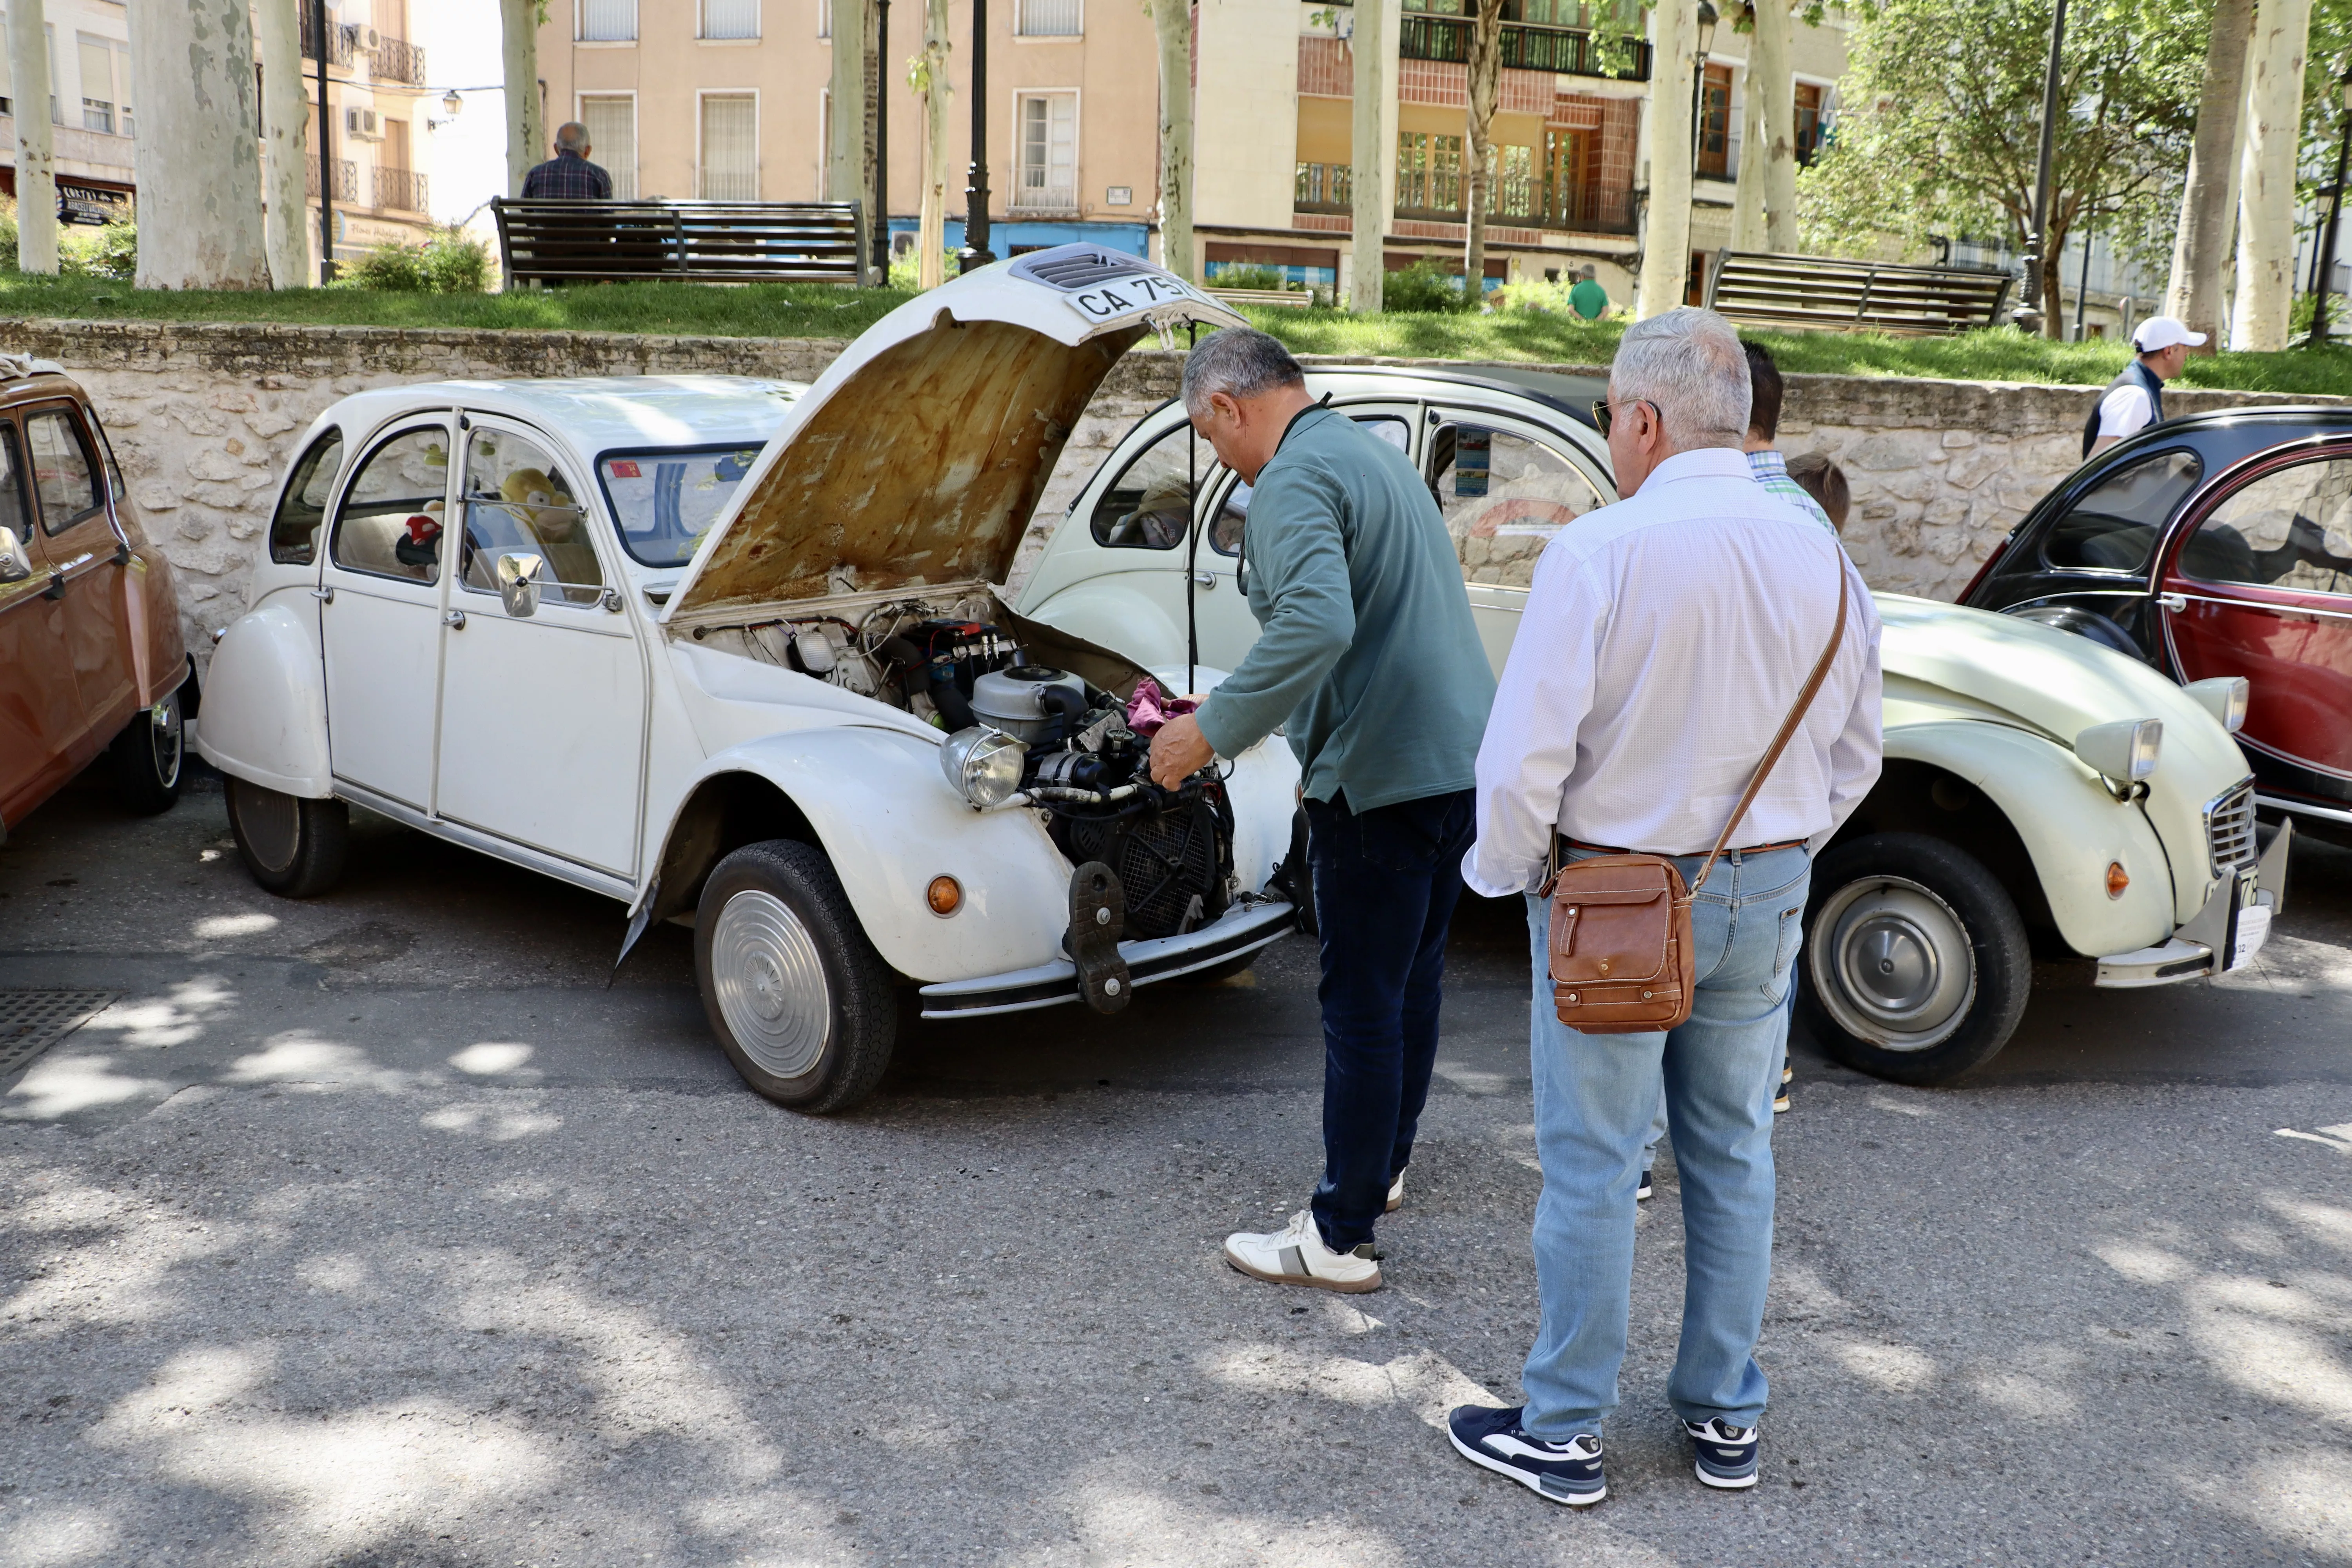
(1620, 924)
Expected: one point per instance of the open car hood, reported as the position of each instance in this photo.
(915, 460)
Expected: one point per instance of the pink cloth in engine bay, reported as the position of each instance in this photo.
(1151, 707)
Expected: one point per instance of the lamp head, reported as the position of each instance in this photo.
(1707, 19)
(451, 104)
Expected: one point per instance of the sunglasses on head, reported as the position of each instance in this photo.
(1603, 417)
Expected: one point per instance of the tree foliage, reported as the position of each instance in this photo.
(1938, 135)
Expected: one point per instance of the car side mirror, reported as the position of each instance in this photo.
(520, 576)
(15, 564)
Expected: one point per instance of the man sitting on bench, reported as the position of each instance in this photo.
(568, 176)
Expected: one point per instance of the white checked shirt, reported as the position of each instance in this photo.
(1663, 640)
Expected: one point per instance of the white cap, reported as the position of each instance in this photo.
(2162, 333)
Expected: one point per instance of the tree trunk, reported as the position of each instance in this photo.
(1485, 90)
(198, 159)
(1667, 140)
(1172, 21)
(844, 156)
(2201, 245)
(2266, 176)
(1369, 136)
(37, 169)
(286, 139)
(931, 264)
(527, 144)
(869, 166)
(1764, 213)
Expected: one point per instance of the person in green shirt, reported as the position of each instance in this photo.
(1588, 299)
(1369, 663)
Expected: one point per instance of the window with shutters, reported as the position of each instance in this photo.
(730, 151)
(96, 83)
(612, 122)
(1048, 173)
(730, 18)
(608, 21)
(1049, 20)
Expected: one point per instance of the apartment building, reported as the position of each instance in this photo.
(377, 105)
(88, 102)
(730, 98)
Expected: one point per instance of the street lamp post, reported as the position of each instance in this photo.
(326, 149)
(1706, 20)
(882, 145)
(2335, 211)
(975, 252)
(2029, 308)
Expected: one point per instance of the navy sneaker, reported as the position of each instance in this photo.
(1566, 1472)
(1727, 1454)
(1641, 1189)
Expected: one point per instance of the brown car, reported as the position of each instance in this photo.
(92, 659)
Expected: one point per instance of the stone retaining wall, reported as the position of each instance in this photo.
(204, 416)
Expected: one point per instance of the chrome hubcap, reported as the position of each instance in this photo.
(272, 824)
(169, 737)
(771, 985)
(1893, 963)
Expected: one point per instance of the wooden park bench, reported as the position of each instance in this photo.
(1279, 299)
(1826, 294)
(546, 241)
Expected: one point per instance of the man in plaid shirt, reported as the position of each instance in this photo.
(1771, 471)
(568, 176)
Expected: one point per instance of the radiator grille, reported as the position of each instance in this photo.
(1167, 861)
(1072, 267)
(2230, 829)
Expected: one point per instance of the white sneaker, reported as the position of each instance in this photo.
(1295, 1255)
(1396, 1194)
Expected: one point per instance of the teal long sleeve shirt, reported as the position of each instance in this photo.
(1367, 655)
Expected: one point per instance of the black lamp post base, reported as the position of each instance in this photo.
(971, 261)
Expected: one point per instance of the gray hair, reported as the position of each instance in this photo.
(1239, 361)
(571, 136)
(1690, 365)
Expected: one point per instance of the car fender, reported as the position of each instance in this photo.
(265, 717)
(2073, 828)
(1116, 611)
(881, 809)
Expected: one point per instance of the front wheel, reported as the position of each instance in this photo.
(147, 758)
(1916, 967)
(801, 1002)
(291, 846)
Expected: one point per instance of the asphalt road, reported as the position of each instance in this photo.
(376, 1230)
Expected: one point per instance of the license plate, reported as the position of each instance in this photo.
(1131, 295)
(2247, 934)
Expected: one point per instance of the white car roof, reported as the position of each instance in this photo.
(597, 413)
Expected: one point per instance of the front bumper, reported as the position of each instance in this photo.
(1244, 928)
(2224, 935)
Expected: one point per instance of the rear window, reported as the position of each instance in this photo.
(2114, 525)
(663, 502)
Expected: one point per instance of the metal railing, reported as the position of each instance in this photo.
(397, 60)
(338, 40)
(400, 190)
(1562, 51)
(347, 179)
(1525, 203)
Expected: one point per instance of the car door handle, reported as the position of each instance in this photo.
(455, 620)
(1204, 577)
(325, 594)
(2173, 602)
(56, 588)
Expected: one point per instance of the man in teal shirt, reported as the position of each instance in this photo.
(1368, 661)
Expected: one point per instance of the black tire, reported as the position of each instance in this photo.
(149, 757)
(291, 846)
(1948, 965)
(802, 1004)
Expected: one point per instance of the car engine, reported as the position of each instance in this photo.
(1024, 734)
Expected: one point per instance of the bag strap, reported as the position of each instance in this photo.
(1779, 741)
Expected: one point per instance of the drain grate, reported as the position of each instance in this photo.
(33, 1021)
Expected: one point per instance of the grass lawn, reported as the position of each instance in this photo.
(821, 310)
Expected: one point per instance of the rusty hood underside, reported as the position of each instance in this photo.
(916, 459)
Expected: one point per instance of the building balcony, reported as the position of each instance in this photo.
(1517, 204)
(347, 179)
(338, 40)
(398, 60)
(400, 190)
(1564, 51)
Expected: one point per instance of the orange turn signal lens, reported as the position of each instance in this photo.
(2117, 878)
(946, 895)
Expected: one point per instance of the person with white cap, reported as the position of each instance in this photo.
(2135, 400)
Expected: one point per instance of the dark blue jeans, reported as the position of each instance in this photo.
(1385, 885)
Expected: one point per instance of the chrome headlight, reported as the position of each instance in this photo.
(2224, 696)
(2125, 751)
(984, 766)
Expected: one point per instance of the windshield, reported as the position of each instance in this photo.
(665, 500)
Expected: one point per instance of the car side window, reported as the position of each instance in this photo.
(1503, 496)
(303, 509)
(390, 522)
(63, 474)
(1149, 505)
(518, 501)
(12, 485)
(1233, 512)
(2290, 530)
(2114, 525)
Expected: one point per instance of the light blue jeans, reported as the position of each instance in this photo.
(1595, 1097)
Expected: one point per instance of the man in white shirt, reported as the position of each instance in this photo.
(1664, 640)
(2134, 399)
